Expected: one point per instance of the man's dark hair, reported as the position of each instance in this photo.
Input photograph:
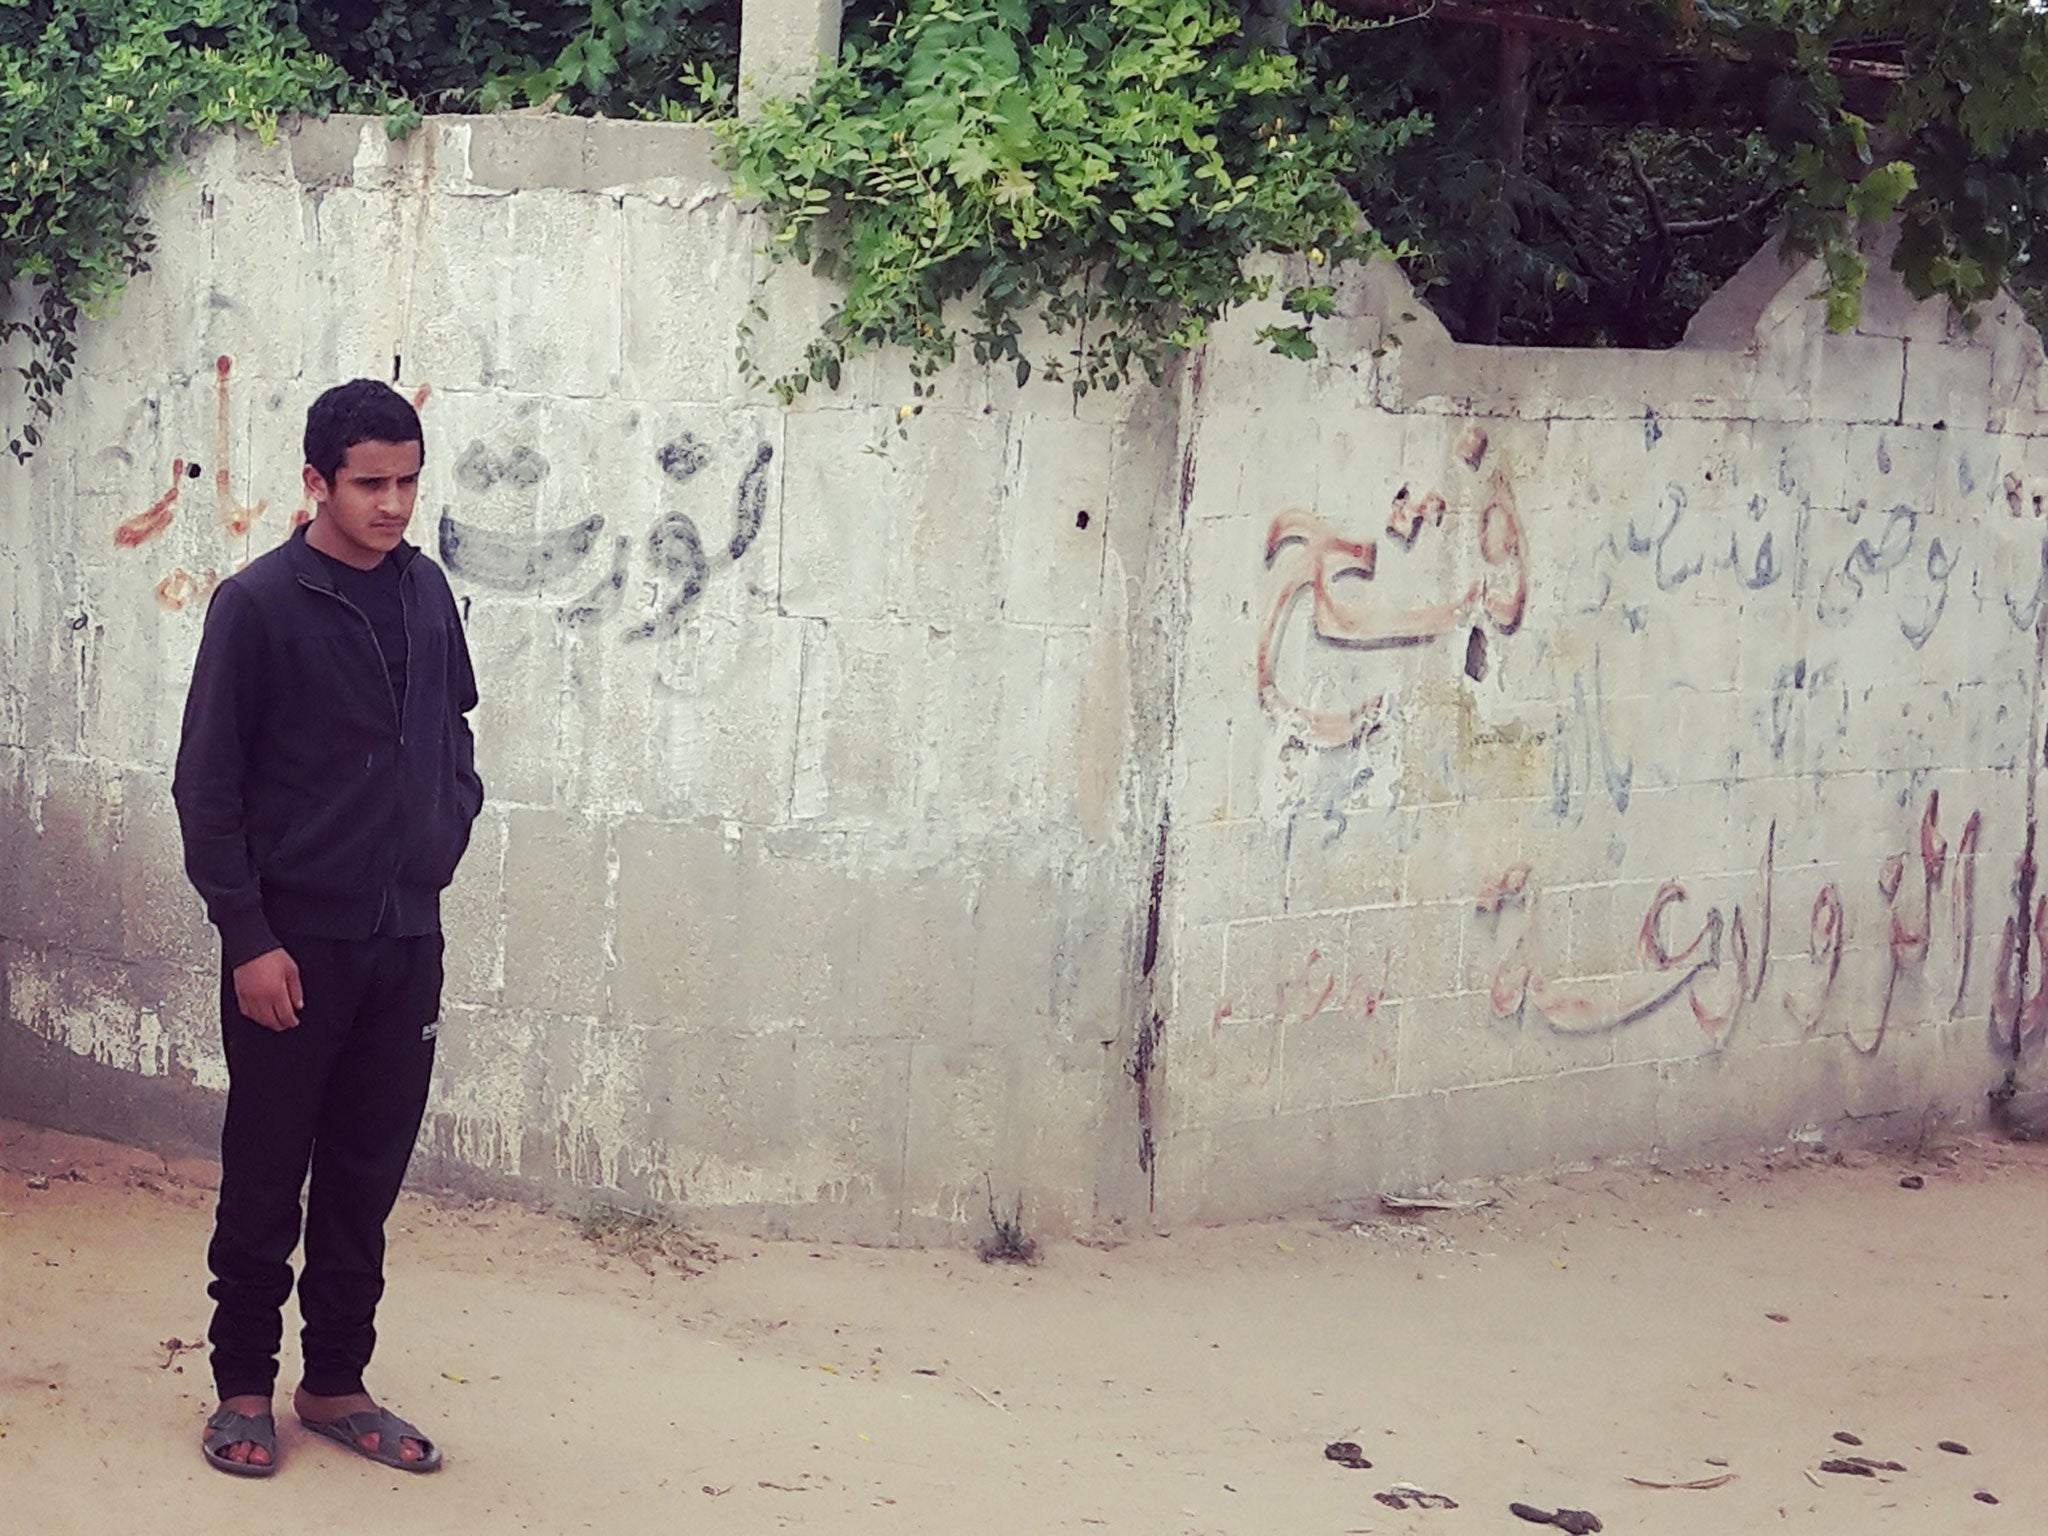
(360, 411)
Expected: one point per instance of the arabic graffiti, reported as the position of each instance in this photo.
(180, 589)
(1313, 558)
(1722, 970)
(680, 565)
(1523, 980)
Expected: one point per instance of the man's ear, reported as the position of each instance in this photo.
(316, 485)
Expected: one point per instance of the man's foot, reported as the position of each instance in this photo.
(245, 1452)
(241, 1437)
(313, 1409)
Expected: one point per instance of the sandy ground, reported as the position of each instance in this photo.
(1582, 1331)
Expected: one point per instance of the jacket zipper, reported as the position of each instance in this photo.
(383, 663)
(397, 714)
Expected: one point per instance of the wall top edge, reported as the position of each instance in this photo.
(494, 152)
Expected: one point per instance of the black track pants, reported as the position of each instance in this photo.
(341, 1094)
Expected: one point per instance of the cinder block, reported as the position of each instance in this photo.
(322, 151)
(19, 850)
(864, 720)
(1143, 496)
(1948, 385)
(1055, 515)
(458, 320)
(929, 545)
(510, 152)
(594, 1122)
(1062, 1126)
(1287, 968)
(1015, 938)
(557, 912)
(1101, 950)
(818, 935)
(1344, 863)
(70, 890)
(689, 276)
(917, 932)
(1188, 974)
(1344, 1055)
(256, 234)
(1219, 871)
(961, 1130)
(564, 259)
(488, 1103)
(1089, 726)
(1454, 1041)
(1748, 1099)
(181, 1007)
(351, 301)
(994, 767)
(725, 722)
(1858, 379)
(783, 45)
(726, 1103)
(83, 1002)
(1407, 952)
(515, 650)
(677, 160)
(1219, 1075)
(1268, 1166)
(679, 892)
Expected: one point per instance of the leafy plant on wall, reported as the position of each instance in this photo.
(1102, 167)
(95, 95)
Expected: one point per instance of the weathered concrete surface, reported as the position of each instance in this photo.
(1052, 802)
(805, 889)
(1586, 752)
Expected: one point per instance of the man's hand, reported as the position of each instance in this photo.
(267, 990)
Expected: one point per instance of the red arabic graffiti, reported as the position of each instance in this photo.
(1721, 971)
(1317, 558)
(146, 525)
(1694, 970)
(181, 590)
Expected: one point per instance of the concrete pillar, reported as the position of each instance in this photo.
(782, 44)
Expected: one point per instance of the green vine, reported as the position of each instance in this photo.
(1103, 168)
(95, 95)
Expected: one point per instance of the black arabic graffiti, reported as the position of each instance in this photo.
(1870, 565)
(682, 569)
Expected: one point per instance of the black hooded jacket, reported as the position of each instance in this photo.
(307, 804)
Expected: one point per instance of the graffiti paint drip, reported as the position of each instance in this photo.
(234, 517)
(146, 525)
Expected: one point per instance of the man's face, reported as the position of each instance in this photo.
(370, 499)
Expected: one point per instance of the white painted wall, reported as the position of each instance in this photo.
(822, 882)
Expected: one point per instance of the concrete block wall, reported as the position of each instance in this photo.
(808, 872)
(1428, 763)
(1590, 754)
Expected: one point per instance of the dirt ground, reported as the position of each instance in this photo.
(1579, 1333)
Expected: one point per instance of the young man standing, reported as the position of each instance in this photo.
(326, 784)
